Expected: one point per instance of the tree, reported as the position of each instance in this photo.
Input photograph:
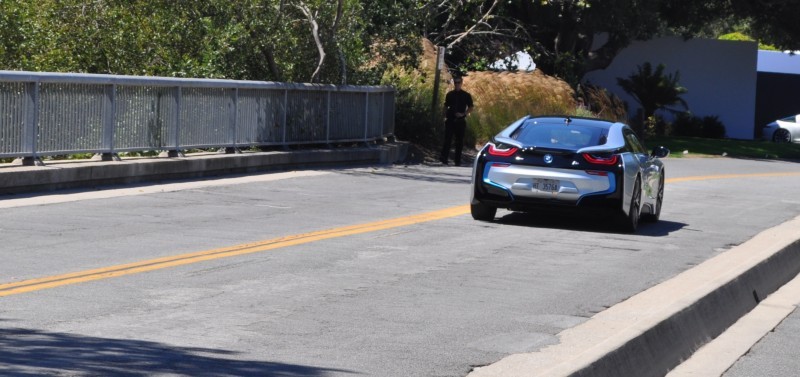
(774, 22)
(246, 39)
(568, 38)
(13, 20)
(653, 90)
(462, 26)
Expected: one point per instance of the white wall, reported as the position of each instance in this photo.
(720, 77)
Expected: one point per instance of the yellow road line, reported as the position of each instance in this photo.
(182, 259)
(24, 286)
(730, 176)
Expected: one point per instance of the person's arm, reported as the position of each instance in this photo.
(470, 106)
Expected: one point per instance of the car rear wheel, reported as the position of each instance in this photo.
(630, 222)
(782, 136)
(483, 212)
(653, 217)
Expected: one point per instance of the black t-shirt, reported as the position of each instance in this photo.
(457, 101)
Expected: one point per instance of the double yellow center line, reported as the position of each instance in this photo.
(183, 259)
(24, 286)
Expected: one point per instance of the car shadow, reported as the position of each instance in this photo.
(581, 223)
(29, 352)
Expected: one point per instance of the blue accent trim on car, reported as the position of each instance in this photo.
(489, 181)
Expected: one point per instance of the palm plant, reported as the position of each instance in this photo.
(654, 90)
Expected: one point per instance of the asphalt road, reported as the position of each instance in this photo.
(273, 277)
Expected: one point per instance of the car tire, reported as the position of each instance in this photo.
(653, 217)
(782, 136)
(630, 222)
(483, 212)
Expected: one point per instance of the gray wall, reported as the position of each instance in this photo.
(720, 77)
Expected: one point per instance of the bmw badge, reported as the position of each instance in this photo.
(548, 158)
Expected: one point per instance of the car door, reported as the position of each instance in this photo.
(650, 169)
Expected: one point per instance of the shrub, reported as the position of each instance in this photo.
(686, 124)
(604, 104)
(500, 98)
(503, 97)
(713, 127)
(413, 99)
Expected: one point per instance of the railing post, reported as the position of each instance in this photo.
(31, 124)
(232, 125)
(328, 120)
(285, 111)
(366, 116)
(383, 114)
(392, 97)
(175, 151)
(109, 117)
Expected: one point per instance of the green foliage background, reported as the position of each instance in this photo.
(365, 42)
(244, 39)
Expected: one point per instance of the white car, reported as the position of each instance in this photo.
(784, 130)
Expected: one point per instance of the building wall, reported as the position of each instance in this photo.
(720, 77)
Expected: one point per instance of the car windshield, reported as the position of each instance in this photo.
(560, 135)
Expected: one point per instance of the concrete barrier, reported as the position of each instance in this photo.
(69, 174)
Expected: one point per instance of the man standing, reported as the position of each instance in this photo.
(457, 105)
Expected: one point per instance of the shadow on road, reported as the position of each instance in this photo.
(427, 173)
(26, 352)
(661, 228)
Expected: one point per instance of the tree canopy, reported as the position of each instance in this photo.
(286, 40)
(352, 41)
(568, 38)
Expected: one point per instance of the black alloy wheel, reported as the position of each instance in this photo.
(630, 222)
(782, 136)
(653, 217)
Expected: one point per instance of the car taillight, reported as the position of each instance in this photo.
(601, 160)
(495, 151)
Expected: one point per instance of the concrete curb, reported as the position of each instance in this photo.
(16, 179)
(654, 331)
(719, 355)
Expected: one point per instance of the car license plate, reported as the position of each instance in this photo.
(547, 185)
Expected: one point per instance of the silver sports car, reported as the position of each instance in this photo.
(569, 163)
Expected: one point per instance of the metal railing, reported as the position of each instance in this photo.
(45, 114)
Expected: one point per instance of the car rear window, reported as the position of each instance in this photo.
(560, 135)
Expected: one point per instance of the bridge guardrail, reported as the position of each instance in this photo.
(45, 114)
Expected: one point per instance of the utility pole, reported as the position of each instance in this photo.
(436, 77)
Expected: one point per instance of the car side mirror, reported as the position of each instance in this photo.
(660, 152)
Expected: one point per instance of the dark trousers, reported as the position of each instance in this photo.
(453, 128)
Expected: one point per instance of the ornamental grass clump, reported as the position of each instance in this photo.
(503, 97)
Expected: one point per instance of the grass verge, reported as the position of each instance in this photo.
(700, 147)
